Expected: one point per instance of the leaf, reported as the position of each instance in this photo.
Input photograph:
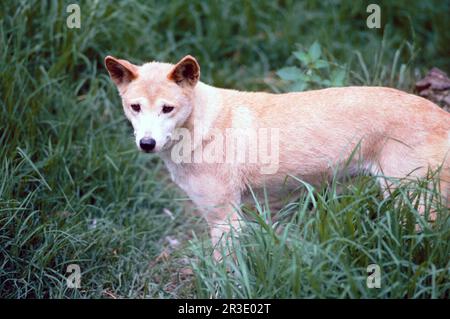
(297, 87)
(320, 64)
(315, 51)
(290, 73)
(337, 78)
(316, 79)
(302, 57)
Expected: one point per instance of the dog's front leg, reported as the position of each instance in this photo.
(218, 199)
(222, 221)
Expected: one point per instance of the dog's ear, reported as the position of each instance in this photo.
(185, 72)
(121, 71)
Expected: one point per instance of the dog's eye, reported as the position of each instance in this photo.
(136, 107)
(167, 109)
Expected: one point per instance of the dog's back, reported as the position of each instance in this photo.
(398, 134)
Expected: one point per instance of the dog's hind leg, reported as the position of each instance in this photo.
(399, 162)
(444, 184)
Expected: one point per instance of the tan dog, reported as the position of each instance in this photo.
(310, 134)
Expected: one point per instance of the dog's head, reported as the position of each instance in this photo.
(156, 97)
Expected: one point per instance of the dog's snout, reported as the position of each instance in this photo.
(147, 144)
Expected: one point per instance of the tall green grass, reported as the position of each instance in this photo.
(73, 188)
(321, 245)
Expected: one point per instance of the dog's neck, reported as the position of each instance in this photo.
(208, 112)
(207, 106)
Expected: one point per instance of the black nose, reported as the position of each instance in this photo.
(147, 144)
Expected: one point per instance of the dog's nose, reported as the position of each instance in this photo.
(147, 144)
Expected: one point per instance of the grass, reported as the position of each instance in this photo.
(321, 245)
(74, 190)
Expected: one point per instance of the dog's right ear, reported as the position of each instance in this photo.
(120, 71)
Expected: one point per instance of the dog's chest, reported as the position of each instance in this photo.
(206, 185)
(189, 180)
(178, 173)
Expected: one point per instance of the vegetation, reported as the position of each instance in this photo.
(74, 190)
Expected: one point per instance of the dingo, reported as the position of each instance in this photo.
(306, 134)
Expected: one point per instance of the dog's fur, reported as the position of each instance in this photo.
(399, 134)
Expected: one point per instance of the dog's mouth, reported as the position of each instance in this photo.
(168, 145)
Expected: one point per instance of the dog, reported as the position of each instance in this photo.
(310, 135)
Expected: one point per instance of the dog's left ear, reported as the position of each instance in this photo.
(185, 72)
